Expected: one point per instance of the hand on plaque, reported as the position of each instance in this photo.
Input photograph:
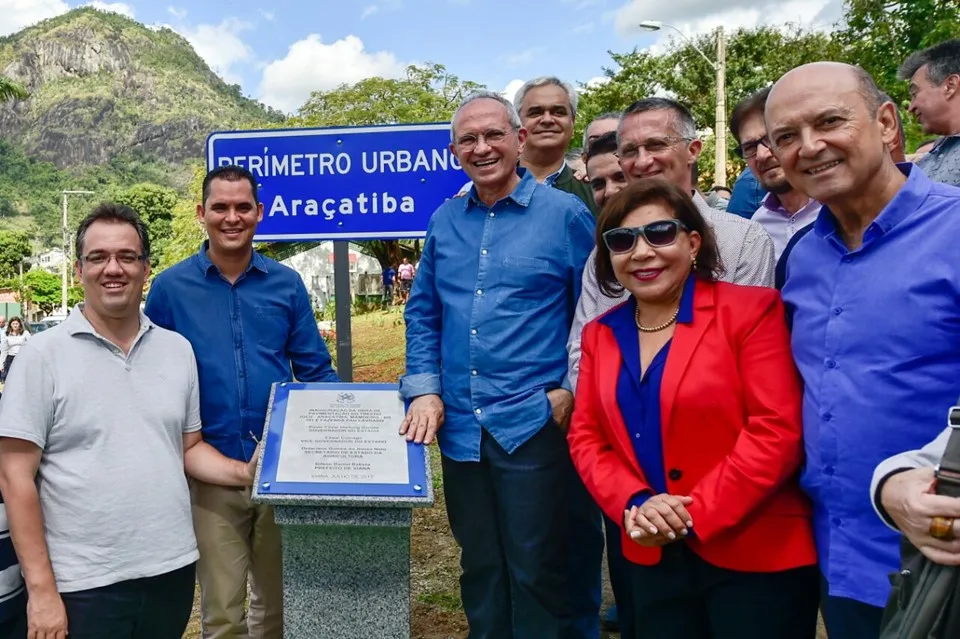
(424, 418)
(251, 466)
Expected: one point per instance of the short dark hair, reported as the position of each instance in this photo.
(606, 143)
(755, 104)
(230, 173)
(632, 197)
(943, 60)
(684, 123)
(116, 214)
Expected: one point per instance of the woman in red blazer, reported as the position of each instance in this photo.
(687, 429)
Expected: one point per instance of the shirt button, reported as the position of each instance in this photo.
(474, 373)
(837, 310)
(836, 521)
(847, 260)
(675, 474)
(637, 435)
(827, 417)
(483, 252)
(479, 292)
(473, 331)
(831, 363)
(492, 214)
(830, 470)
(478, 411)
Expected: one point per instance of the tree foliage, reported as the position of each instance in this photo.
(11, 90)
(880, 34)
(44, 289)
(186, 232)
(155, 205)
(14, 247)
(426, 93)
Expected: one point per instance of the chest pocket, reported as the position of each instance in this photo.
(272, 327)
(524, 283)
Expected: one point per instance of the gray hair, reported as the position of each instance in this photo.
(683, 123)
(512, 115)
(943, 60)
(548, 80)
(609, 115)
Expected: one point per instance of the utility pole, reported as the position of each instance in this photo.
(720, 131)
(66, 251)
(720, 66)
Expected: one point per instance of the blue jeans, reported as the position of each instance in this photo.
(149, 608)
(848, 618)
(507, 513)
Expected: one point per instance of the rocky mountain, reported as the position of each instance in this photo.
(104, 88)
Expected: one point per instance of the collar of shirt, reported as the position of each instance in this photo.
(772, 203)
(78, 324)
(938, 146)
(552, 178)
(907, 200)
(203, 260)
(521, 194)
(623, 318)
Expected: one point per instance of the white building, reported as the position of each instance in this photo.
(316, 268)
(51, 261)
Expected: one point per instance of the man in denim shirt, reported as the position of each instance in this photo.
(486, 333)
(250, 322)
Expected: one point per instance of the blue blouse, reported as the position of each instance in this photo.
(639, 397)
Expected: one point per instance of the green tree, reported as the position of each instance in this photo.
(755, 58)
(186, 232)
(880, 34)
(14, 247)
(426, 93)
(155, 205)
(43, 289)
(11, 90)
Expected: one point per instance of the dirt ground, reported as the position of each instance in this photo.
(436, 612)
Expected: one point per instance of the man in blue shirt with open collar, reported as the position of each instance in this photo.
(486, 357)
(250, 322)
(873, 291)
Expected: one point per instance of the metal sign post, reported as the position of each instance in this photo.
(344, 184)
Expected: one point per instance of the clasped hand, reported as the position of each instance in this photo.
(661, 520)
(911, 501)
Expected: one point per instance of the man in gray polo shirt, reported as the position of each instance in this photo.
(98, 420)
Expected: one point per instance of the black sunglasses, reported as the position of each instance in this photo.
(656, 234)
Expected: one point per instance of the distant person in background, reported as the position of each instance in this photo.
(405, 273)
(600, 125)
(604, 173)
(389, 281)
(747, 195)
(575, 161)
(784, 211)
(934, 76)
(3, 325)
(548, 110)
(17, 336)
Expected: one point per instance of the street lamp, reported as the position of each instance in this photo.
(720, 66)
(66, 249)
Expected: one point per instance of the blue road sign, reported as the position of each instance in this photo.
(346, 183)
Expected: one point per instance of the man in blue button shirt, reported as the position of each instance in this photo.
(486, 357)
(250, 322)
(873, 291)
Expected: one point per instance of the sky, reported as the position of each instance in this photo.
(279, 51)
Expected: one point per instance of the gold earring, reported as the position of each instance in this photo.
(693, 264)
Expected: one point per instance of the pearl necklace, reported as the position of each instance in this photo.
(658, 327)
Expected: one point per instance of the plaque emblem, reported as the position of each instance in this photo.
(346, 398)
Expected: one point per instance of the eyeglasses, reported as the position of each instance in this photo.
(653, 146)
(749, 148)
(469, 141)
(123, 258)
(657, 234)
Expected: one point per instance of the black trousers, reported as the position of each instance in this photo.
(685, 597)
(149, 608)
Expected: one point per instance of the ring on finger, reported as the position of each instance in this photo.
(942, 528)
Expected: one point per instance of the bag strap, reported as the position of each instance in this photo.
(948, 471)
